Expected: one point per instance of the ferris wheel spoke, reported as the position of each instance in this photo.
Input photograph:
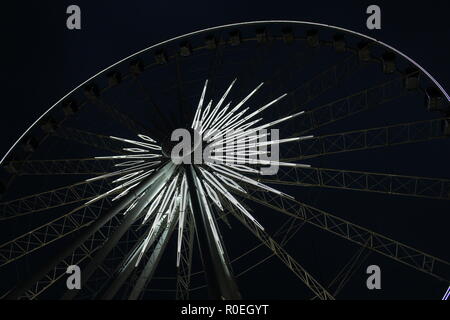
(392, 184)
(92, 139)
(38, 238)
(390, 248)
(81, 191)
(350, 105)
(287, 259)
(85, 233)
(77, 257)
(357, 140)
(287, 230)
(99, 278)
(121, 273)
(95, 261)
(133, 215)
(82, 166)
(129, 265)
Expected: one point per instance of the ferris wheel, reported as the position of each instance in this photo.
(359, 176)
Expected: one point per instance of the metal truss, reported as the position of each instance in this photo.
(363, 181)
(97, 223)
(365, 139)
(395, 250)
(77, 192)
(286, 232)
(78, 257)
(97, 235)
(347, 106)
(50, 232)
(287, 259)
(184, 268)
(86, 166)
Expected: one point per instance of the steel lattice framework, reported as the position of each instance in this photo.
(131, 199)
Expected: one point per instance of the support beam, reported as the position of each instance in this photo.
(85, 166)
(366, 139)
(78, 192)
(42, 236)
(347, 106)
(187, 248)
(150, 267)
(421, 261)
(84, 235)
(421, 187)
(287, 259)
(128, 221)
(221, 283)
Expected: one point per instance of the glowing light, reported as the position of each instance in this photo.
(165, 202)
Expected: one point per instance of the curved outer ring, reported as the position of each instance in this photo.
(227, 26)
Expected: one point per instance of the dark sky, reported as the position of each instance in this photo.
(42, 60)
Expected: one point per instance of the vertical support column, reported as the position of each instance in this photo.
(220, 281)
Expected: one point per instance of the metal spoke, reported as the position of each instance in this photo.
(87, 232)
(135, 213)
(121, 273)
(348, 106)
(87, 166)
(150, 267)
(81, 191)
(387, 136)
(393, 184)
(50, 232)
(119, 244)
(390, 248)
(78, 257)
(288, 230)
(287, 259)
